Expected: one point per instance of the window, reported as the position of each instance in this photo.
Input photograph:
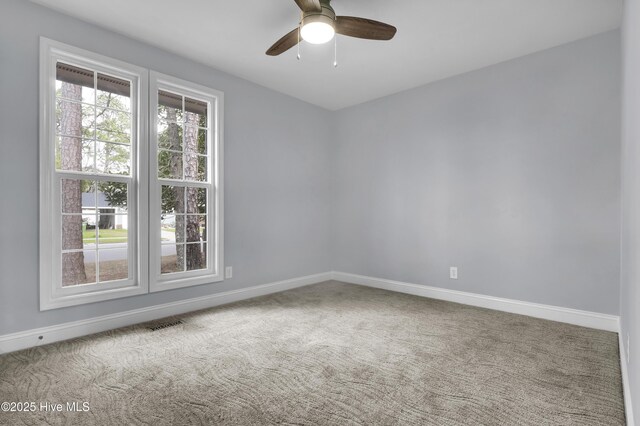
(93, 187)
(130, 179)
(186, 196)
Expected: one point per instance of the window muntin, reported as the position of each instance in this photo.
(95, 231)
(183, 229)
(182, 125)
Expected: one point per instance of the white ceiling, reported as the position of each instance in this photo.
(436, 38)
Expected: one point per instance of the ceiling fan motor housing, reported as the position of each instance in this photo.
(326, 15)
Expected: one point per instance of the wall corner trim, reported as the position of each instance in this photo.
(626, 386)
(554, 313)
(65, 331)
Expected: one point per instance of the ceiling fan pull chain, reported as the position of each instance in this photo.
(299, 25)
(335, 51)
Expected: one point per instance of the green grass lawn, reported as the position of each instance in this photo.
(105, 236)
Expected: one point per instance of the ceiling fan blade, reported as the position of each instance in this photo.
(284, 44)
(309, 5)
(364, 28)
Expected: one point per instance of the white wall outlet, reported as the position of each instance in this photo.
(453, 272)
(228, 272)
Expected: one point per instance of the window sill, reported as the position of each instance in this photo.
(161, 285)
(48, 301)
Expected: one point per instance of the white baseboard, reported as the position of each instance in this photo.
(626, 388)
(554, 313)
(30, 338)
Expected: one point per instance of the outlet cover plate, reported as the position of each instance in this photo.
(453, 272)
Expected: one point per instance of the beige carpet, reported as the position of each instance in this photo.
(329, 354)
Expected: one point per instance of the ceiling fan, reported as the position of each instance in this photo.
(319, 24)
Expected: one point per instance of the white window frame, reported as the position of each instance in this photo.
(52, 294)
(215, 228)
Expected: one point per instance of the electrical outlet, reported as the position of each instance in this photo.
(453, 272)
(228, 272)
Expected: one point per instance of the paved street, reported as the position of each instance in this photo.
(118, 251)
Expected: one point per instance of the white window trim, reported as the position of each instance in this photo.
(51, 294)
(215, 237)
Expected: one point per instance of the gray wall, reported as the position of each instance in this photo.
(630, 266)
(276, 181)
(510, 173)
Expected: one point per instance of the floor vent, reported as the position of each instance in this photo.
(160, 326)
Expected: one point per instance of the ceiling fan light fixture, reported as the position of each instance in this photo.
(317, 32)
(317, 29)
(319, 24)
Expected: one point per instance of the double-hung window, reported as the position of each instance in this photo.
(130, 191)
(185, 183)
(93, 185)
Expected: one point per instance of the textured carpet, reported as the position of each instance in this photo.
(331, 353)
